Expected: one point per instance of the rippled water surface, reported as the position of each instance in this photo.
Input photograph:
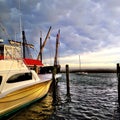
(92, 97)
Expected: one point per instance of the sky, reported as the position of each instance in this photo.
(89, 29)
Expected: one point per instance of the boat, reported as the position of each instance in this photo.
(49, 69)
(81, 72)
(19, 84)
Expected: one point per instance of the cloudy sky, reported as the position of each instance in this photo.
(88, 28)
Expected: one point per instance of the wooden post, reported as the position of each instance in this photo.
(118, 75)
(54, 85)
(118, 69)
(67, 80)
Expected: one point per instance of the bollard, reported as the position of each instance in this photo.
(118, 75)
(67, 80)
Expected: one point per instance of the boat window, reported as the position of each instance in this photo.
(20, 77)
(0, 80)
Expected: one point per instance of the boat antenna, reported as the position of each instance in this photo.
(20, 19)
(20, 25)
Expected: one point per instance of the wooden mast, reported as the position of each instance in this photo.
(56, 52)
(40, 56)
(24, 44)
(24, 39)
(79, 63)
(43, 45)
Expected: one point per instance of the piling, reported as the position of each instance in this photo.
(54, 86)
(67, 80)
(118, 75)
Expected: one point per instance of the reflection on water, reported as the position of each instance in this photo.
(41, 110)
(93, 97)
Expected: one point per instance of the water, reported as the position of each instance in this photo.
(92, 97)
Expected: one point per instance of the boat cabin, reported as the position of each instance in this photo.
(10, 52)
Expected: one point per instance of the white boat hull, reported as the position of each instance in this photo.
(22, 97)
(20, 86)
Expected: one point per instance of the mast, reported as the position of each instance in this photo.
(79, 63)
(43, 45)
(24, 39)
(56, 52)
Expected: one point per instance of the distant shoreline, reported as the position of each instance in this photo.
(91, 70)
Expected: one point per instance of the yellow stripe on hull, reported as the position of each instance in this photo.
(23, 96)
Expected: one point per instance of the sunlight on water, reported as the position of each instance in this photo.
(93, 97)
